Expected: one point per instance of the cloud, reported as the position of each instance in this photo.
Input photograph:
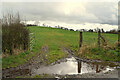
(67, 12)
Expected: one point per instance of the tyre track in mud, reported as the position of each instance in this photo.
(25, 69)
(36, 62)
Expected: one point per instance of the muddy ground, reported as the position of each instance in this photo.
(40, 60)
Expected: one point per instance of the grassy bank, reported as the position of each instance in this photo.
(56, 39)
(104, 54)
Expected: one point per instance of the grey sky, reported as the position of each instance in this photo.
(71, 13)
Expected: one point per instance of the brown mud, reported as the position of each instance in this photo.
(62, 68)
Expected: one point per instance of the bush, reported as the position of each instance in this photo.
(14, 35)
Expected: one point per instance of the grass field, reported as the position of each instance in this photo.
(55, 39)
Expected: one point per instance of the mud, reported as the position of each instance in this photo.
(73, 67)
(64, 68)
(25, 69)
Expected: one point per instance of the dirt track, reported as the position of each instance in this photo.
(39, 60)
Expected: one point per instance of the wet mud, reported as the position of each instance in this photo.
(70, 67)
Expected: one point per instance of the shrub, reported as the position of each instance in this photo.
(14, 35)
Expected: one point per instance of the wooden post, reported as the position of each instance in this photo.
(99, 38)
(104, 41)
(79, 66)
(80, 39)
(119, 39)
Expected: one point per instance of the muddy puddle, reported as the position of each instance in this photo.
(71, 66)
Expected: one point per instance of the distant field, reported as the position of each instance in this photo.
(56, 38)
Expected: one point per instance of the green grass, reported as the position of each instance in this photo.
(101, 54)
(15, 60)
(55, 55)
(55, 39)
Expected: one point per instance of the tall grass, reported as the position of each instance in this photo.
(106, 51)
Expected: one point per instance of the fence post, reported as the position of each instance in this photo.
(99, 38)
(119, 39)
(80, 39)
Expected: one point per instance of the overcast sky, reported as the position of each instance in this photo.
(67, 12)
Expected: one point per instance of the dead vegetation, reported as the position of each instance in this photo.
(104, 51)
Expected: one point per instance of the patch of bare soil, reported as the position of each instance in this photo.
(25, 69)
(39, 60)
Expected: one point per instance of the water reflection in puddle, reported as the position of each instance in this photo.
(71, 66)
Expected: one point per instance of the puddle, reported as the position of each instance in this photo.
(71, 66)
